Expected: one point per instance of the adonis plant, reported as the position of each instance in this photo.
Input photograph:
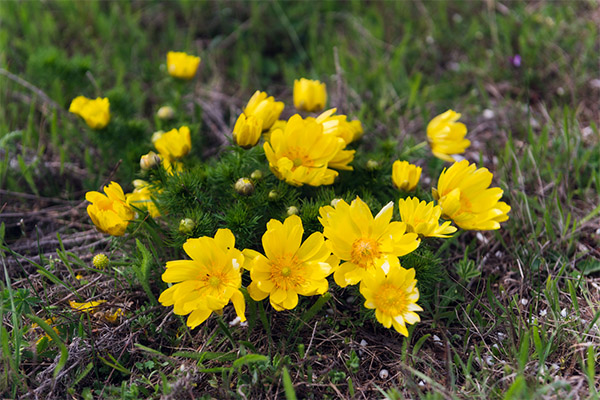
(293, 207)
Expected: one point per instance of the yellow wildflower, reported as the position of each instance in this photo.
(423, 218)
(405, 175)
(247, 130)
(446, 136)
(87, 307)
(394, 297)
(264, 108)
(339, 126)
(208, 281)
(300, 154)
(174, 144)
(366, 244)
(182, 65)
(112, 317)
(100, 261)
(290, 267)
(96, 113)
(110, 213)
(142, 197)
(464, 195)
(309, 95)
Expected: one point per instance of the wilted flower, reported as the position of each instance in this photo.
(300, 154)
(394, 297)
(207, 282)
(149, 161)
(309, 95)
(264, 108)
(290, 267)
(405, 175)
(174, 144)
(112, 317)
(423, 218)
(87, 307)
(165, 112)
(365, 243)
(464, 195)
(96, 113)
(446, 136)
(100, 261)
(247, 130)
(110, 213)
(182, 65)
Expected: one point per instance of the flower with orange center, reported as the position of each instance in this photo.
(109, 212)
(366, 244)
(423, 218)
(464, 195)
(208, 281)
(394, 297)
(289, 267)
(300, 154)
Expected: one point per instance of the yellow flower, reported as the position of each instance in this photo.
(142, 198)
(290, 268)
(96, 113)
(100, 261)
(405, 175)
(309, 95)
(247, 130)
(87, 307)
(264, 108)
(339, 126)
(112, 317)
(446, 136)
(366, 244)
(174, 144)
(423, 218)
(208, 281)
(110, 213)
(393, 296)
(182, 65)
(464, 195)
(300, 154)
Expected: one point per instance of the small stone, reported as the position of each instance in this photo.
(488, 114)
(384, 373)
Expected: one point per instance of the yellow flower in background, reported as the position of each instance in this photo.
(247, 130)
(290, 268)
(446, 136)
(87, 307)
(423, 218)
(112, 317)
(309, 95)
(394, 297)
(110, 213)
(142, 198)
(207, 282)
(182, 65)
(300, 154)
(96, 113)
(264, 108)
(464, 195)
(339, 126)
(366, 244)
(405, 175)
(174, 144)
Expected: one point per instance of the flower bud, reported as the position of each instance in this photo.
(165, 113)
(292, 210)
(149, 161)
(247, 130)
(244, 186)
(256, 175)
(309, 95)
(100, 261)
(273, 195)
(186, 226)
(372, 165)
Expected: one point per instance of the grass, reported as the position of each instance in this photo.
(516, 315)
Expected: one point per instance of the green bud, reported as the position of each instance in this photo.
(372, 165)
(273, 195)
(165, 112)
(100, 261)
(244, 186)
(186, 226)
(256, 175)
(292, 210)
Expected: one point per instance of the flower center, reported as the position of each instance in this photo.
(214, 281)
(286, 273)
(299, 157)
(364, 252)
(391, 299)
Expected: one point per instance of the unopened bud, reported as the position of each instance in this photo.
(100, 261)
(186, 226)
(372, 165)
(292, 210)
(165, 112)
(256, 175)
(244, 186)
(149, 161)
(273, 195)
